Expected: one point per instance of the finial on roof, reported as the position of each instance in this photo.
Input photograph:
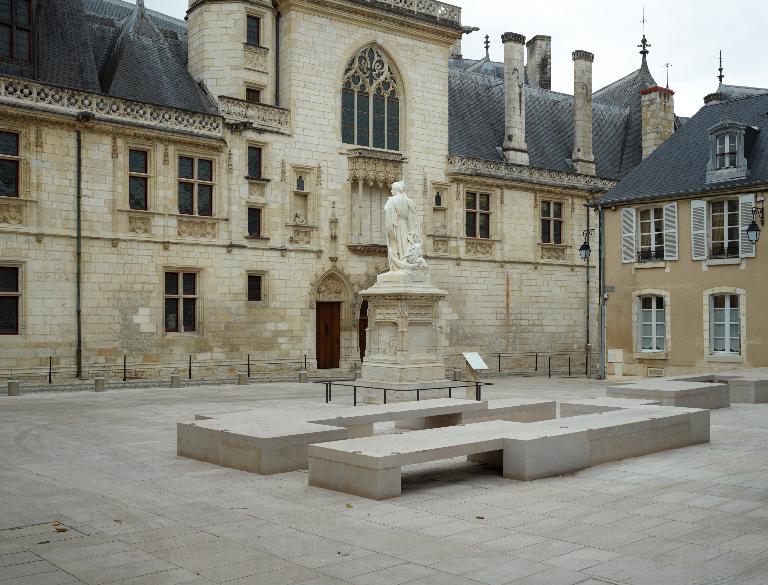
(487, 46)
(644, 44)
(667, 65)
(720, 69)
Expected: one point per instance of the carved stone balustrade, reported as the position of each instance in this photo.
(259, 116)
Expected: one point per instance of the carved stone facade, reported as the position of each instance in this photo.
(11, 212)
(375, 167)
(256, 58)
(196, 228)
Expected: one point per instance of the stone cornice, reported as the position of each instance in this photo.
(511, 37)
(258, 116)
(72, 102)
(409, 17)
(580, 55)
(460, 165)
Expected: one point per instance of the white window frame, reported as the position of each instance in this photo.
(728, 148)
(724, 357)
(655, 323)
(637, 344)
(726, 226)
(727, 323)
(653, 233)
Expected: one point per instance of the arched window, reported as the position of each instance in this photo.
(370, 102)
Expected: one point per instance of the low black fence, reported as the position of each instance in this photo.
(538, 363)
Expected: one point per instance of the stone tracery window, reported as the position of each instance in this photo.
(370, 102)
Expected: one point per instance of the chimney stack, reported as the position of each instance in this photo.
(515, 148)
(583, 157)
(658, 117)
(539, 68)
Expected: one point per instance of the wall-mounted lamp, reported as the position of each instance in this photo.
(753, 231)
(585, 250)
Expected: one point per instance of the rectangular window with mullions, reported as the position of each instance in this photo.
(726, 150)
(255, 155)
(478, 215)
(10, 164)
(138, 179)
(651, 234)
(254, 222)
(724, 229)
(181, 298)
(652, 322)
(195, 186)
(253, 33)
(16, 30)
(551, 222)
(725, 325)
(10, 300)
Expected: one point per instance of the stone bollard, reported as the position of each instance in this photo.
(457, 374)
(175, 380)
(303, 376)
(13, 388)
(98, 384)
(242, 378)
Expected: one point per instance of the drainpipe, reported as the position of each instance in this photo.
(587, 346)
(601, 288)
(78, 307)
(277, 59)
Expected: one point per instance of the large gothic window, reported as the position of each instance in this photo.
(370, 102)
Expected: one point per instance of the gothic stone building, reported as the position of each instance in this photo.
(214, 187)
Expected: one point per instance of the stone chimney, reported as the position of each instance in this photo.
(583, 158)
(539, 68)
(515, 148)
(658, 117)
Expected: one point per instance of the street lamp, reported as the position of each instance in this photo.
(753, 231)
(585, 250)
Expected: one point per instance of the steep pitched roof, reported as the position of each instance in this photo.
(733, 92)
(476, 117)
(678, 167)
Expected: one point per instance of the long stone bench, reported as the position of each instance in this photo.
(746, 386)
(509, 409)
(583, 406)
(675, 393)
(274, 441)
(371, 466)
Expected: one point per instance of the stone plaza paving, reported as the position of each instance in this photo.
(91, 491)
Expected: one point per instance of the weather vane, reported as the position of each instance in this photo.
(644, 44)
(667, 65)
(720, 69)
(487, 44)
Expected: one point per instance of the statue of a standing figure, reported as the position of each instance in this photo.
(404, 247)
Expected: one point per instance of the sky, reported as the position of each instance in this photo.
(686, 33)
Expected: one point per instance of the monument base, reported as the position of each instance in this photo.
(404, 339)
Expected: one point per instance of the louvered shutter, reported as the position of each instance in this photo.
(746, 204)
(628, 235)
(699, 230)
(670, 231)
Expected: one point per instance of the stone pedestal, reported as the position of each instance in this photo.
(404, 347)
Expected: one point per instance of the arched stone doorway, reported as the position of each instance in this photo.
(331, 302)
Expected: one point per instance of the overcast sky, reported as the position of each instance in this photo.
(686, 33)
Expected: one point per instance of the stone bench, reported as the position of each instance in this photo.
(675, 393)
(509, 409)
(583, 406)
(371, 466)
(275, 441)
(746, 386)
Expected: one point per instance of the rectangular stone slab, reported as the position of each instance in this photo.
(583, 406)
(676, 393)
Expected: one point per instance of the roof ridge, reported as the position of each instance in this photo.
(617, 82)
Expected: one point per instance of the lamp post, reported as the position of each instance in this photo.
(754, 231)
(585, 250)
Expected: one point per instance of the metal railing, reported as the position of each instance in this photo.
(538, 363)
(722, 252)
(656, 255)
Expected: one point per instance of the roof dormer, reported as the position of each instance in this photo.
(729, 144)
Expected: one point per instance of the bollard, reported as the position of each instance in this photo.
(242, 378)
(13, 388)
(456, 374)
(98, 384)
(175, 381)
(303, 376)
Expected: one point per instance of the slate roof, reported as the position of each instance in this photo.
(732, 92)
(115, 48)
(678, 167)
(476, 117)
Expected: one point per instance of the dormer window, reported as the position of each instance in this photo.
(16, 30)
(728, 151)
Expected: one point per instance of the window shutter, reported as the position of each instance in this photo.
(628, 235)
(699, 230)
(746, 204)
(670, 231)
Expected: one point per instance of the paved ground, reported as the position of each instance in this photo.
(131, 512)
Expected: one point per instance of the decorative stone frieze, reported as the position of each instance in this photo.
(301, 237)
(461, 165)
(139, 224)
(260, 116)
(375, 167)
(197, 228)
(11, 212)
(556, 253)
(479, 248)
(440, 246)
(257, 189)
(368, 249)
(422, 8)
(256, 58)
(23, 92)
(331, 289)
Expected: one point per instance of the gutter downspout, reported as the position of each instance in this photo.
(78, 307)
(277, 59)
(601, 288)
(588, 323)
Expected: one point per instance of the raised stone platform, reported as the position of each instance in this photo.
(371, 467)
(598, 405)
(675, 393)
(747, 386)
(274, 441)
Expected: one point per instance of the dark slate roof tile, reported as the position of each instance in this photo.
(678, 167)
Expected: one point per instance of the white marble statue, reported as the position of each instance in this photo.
(404, 248)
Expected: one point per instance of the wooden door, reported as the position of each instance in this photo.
(328, 335)
(362, 329)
